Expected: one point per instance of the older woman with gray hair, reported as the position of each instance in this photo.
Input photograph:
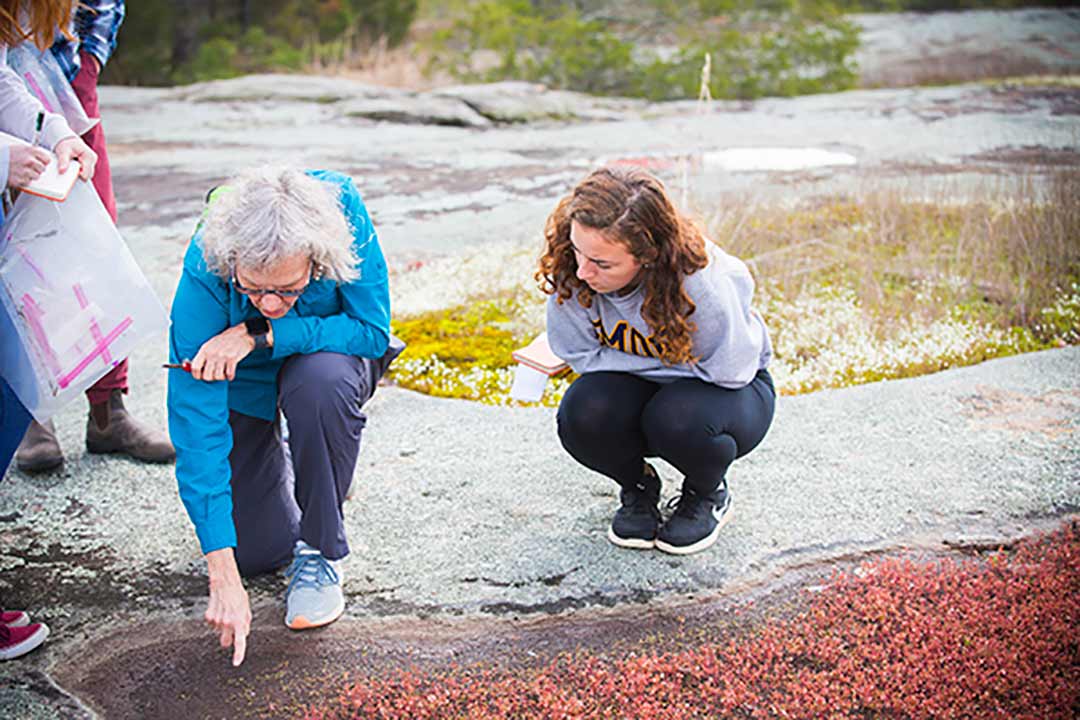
(283, 308)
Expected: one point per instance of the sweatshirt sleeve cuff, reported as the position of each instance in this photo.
(55, 130)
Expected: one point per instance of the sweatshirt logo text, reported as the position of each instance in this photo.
(627, 339)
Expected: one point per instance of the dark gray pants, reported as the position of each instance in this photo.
(285, 492)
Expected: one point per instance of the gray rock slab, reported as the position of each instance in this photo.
(423, 109)
(462, 508)
(277, 87)
(479, 509)
(909, 44)
(27, 693)
(522, 102)
(442, 190)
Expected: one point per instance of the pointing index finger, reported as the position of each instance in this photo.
(239, 648)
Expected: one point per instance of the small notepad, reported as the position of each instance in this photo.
(51, 184)
(538, 356)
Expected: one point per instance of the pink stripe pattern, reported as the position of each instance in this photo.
(30, 81)
(95, 329)
(33, 315)
(102, 347)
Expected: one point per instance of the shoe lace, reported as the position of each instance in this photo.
(310, 570)
(683, 507)
(689, 504)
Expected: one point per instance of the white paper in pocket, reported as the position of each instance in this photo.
(528, 384)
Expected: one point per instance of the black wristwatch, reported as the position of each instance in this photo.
(257, 328)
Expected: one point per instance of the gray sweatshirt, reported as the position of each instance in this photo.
(731, 342)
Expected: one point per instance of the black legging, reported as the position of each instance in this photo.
(610, 421)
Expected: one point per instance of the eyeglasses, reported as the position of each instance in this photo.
(314, 273)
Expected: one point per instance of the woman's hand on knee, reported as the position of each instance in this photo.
(228, 610)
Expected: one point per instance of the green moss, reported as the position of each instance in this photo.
(465, 352)
(462, 337)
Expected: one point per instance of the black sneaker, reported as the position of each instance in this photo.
(696, 523)
(635, 523)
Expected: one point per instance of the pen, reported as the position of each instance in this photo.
(37, 127)
(185, 366)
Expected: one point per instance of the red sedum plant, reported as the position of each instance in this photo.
(997, 637)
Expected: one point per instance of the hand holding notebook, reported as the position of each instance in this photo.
(51, 183)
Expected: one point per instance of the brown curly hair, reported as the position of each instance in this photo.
(45, 16)
(631, 207)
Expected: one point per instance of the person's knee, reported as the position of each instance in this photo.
(582, 416)
(254, 560)
(322, 385)
(677, 423)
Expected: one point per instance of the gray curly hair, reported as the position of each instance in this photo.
(272, 213)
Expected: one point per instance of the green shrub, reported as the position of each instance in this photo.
(255, 51)
(776, 48)
(215, 59)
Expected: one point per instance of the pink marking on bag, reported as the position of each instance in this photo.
(30, 261)
(33, 315)
(95, 329)
(101, 348)
(37, 91)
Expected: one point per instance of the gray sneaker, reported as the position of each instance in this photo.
(314, 597)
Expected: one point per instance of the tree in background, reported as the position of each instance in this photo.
(174, 41)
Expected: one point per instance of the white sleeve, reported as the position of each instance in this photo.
(19, 110)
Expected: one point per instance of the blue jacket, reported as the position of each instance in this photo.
(352, 319)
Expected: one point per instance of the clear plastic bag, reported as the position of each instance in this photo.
(46, 81)
(74, 302)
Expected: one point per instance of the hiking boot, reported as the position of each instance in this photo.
(635, 522)
(17, 641)
(314, 596)
(14, 618)
(111, 429)
(39, 450)
(696, 522)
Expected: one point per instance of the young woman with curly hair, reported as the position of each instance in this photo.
(672, 356)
